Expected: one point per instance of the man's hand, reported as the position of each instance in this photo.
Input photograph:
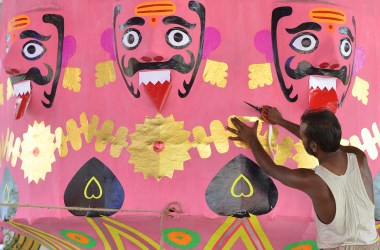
(272, 115)
(243, 132)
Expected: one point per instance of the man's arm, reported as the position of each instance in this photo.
(295, 178)
(275, 117)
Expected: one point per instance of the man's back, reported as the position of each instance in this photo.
(353, 223)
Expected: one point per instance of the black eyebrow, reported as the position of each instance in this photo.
(33, 34)
(132, 21)
(178, 20)
(346, 31)
(305, 26)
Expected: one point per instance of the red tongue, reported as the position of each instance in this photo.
(158, 93)
(22, 102)
(323, 99)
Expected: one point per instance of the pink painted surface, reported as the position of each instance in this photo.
(230, 38)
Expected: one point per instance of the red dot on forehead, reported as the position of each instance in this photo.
(153, 20)
(330, 27)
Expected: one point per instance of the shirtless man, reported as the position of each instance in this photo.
(340, 187)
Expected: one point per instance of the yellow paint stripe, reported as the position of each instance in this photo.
(155, 8)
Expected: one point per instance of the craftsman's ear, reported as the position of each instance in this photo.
(314, 146)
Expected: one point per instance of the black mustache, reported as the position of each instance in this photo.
(305, 68)
(177, 63)
(34, 74)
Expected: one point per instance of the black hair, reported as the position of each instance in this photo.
(323, 128)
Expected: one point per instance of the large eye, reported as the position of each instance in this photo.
(345, 48)
(304, 43)
(178, 38)
(131, 39)
(33, 50)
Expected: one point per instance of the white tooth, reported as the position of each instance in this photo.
(322, 82)
(156, 76)
(22, 88)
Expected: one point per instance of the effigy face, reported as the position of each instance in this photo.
(114, 113)
(314, 50)
(33, 57)
(159, 47)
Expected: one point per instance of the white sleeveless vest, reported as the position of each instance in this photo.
(354, 222)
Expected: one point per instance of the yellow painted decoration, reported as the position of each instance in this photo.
(49, 240)
(9, 89)
(360, 90)
(9, 144)
(159, 147)
(328, 15)
(202, 142)
(38, 149)
(303, 159)
(72, 79)
(117, 230)
(96, 182)
(259, 75)
(6, 195)
(241, 177)
(215, 73)
(18, 22)
(155, 8)
(16, 151)
(105, 73)
(370, 143)
(233, 229)
(1, 94)
(219, 135)
(244, 119)
(284, 151)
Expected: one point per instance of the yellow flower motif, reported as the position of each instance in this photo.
(159, 146)
(37, 152)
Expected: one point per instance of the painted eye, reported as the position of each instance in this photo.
(178, 38)
(304, 43)
(131, 39)
(33, 50)
(345, 48)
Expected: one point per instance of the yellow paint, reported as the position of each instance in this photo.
(241, 233)
(241, 177)
(116, 234)
(370, 143)
(284, 151)
(16, 152)
(9, 89)
(157, 8)
(101, 235)
(37, 152)
(49, 240)
(259, 75)
(303, 159)
(1, 94)
(105, 73)
(6, 195)
(18, 22)
(219, 136)
(360, 90)
(171, 158)
(329, 15)
(215, 73)
(72, 79)
(93, 179)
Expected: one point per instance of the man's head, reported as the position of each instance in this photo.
(159, 45)
(320, 129)
(314, 48)
(34, 55)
